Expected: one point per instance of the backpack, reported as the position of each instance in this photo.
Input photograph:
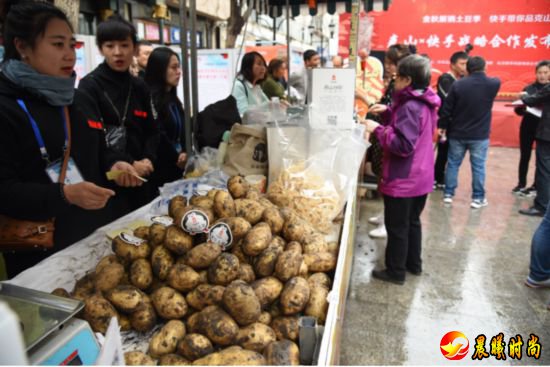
(214, 120)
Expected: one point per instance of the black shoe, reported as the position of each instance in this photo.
(518, 189)
(415, 272)
(532, 211)
(384, 276)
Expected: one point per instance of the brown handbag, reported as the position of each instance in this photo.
(18, 234)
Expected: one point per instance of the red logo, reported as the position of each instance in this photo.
(454, 345)
(140, 113)
(95, 124)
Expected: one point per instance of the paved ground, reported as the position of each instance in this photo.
(475, 262)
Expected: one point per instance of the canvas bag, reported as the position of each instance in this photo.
(246, 151)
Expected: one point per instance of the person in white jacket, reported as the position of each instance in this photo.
(247, 89)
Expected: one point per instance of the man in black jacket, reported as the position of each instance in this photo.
(466, 119)
(458, 70)
(542, 179)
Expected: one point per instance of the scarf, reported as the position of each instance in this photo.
(57, 91)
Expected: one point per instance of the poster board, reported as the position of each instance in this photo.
(216, 73)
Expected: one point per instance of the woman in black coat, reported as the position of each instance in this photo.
(162, 76)
(36, 89)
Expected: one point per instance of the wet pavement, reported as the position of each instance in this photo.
(474, 264)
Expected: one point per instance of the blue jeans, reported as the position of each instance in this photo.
(539, 269)
(478, 156)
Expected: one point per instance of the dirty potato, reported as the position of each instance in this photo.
(232, 356)
(167, 338)
(125, 298)
(224, 269)
(319, 279)
(142, 232)
(251, 210)
(161, 262)
(321, 261)
(217, 325)
(61, 292)
(241, 302)
(176, 202)
(106, 260)
(177, 241)
(141, 274)
(84, 287)
(144, 317)
(246, 273)
(267, 290)
(255, 337)
(294, 246)
(205, 295)
(257, 239)
(239, 226)
(282, 353)
(137, 358)
(201, 256)
(288, 265)
(195, 346)
(202, 201)
(294, 296)
(286, 327)
(314, 243)
(169, 303)
(157, 234)
(98, 312)
(274, 218)
(237, 186)
(182, 278)
(317, 306)
(265, 318)
(128, 252)
(264, 265)
(173, 359)
(109, 277)
(224, 206)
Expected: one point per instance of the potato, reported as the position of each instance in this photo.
(173, 359)
(288, 265)
(195, 346)
(246, 273)
(282, 353)
(124, 322)
(183, 278)
(253, 194)
(224, 269)
(144, 317)
(176, 202)
(212, 193)
(250, 210)
(274, 218)
(278, 241)
(224, 206)
(239, 226)
(217, 325)
(257, 239)
(177, 241)
(235, 356)
(167, 338)
(264, 265)
(263, 201)
(128, 252)
(237, 250)
(137, 358)
(201, 256)
(98, 312)
(294, 246)
(275, 309)
(255, 337)
(202, 201)
(314, 243)
(157, 234)
(107, 260)
(280, 199)
(267, 290)
(142, 232)
(294, 296)
(192, 323)
(203, 276)
(304, 270)
(109, 277)
(61, 292)
(319, 279)
(181, 211)
(333, 248)
(169, 303)
(321, 261)
(205, 295)
(125, 298)
(241, 302)
(265, 318)
(286, 327)
(237, 186)
(161, 262)
(295, 228)
(317, 306)
(84, 287)
(141, 274)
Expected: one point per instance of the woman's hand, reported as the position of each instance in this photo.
(182, 160)
(129, 178)
(378, 108)
(87, 195)
(144, 167)
(370, 125)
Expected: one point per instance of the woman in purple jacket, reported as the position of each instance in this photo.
(407, 165)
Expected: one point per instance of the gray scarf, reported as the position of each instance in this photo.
(55, 90)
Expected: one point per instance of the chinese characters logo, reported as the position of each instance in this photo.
(454, 345)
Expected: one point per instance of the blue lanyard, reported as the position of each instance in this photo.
(38, 135)
(177, 118)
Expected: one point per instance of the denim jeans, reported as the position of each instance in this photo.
(478, 156)
(542, 177)
(539, 269)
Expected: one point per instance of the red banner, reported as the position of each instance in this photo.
(512, 36)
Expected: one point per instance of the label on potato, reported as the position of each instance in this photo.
(220, 234)
(162, 219)
(195, 221)
(131, 239)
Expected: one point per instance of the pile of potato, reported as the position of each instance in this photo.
(235, 307)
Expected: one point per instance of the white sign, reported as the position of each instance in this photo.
(332, 98)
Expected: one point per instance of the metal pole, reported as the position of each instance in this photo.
(274, 28)
(161, 31)
(185, 72)
(194, 72)
(353, 34)
(289, 62)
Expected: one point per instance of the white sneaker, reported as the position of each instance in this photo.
(375, 220)
(379, 232)
(478, 203)
(447, 199)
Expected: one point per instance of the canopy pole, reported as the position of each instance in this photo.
(194, 72)
(188, 126)
(288, 61)
(353, 34)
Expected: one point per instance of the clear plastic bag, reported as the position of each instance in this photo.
(199, 164)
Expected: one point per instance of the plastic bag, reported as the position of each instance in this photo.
(115, 138)
(199, 164)
(266, 113)
(312, 170)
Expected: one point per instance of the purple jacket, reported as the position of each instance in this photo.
(406, 140)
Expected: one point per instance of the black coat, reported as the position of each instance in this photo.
(541, 99)
(26, 192)
(466, 113)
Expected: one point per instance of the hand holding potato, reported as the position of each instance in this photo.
(128, 179)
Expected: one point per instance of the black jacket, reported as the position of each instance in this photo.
(529, 118)
(541, 99)
(444, 83)
(466, 113)
(105, 85)
(26, 192)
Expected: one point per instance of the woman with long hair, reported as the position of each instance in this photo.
(45, 123)
(162, 76)
(247, 89)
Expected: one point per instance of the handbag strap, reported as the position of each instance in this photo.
(67, 153)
